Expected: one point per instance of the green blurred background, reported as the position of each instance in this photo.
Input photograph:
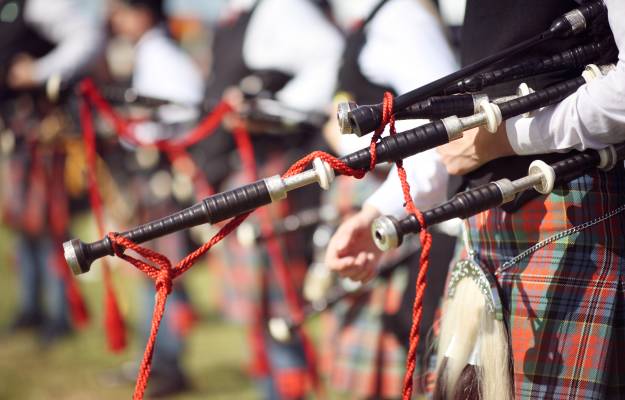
(78, 367)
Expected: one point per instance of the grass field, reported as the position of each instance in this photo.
(75, 367)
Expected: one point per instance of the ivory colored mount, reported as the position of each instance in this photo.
(213, 209)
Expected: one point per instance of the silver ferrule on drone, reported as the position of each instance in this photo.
(321, 173)
(577, 21)
(69, 252)
(342, 114)
(541, 177)
(384, 232)
(489, 115)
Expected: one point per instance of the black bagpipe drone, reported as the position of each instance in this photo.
(228, 204)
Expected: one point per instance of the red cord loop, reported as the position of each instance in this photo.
(387, 119)
(424, 237)
(336, 164)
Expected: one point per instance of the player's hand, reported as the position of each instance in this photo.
(351, 251)
(474, 149)
(22, 73)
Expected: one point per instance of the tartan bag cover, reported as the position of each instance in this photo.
(559, 263)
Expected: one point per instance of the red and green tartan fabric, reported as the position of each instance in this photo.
(241, 296)
(240, 274)
(565, 301)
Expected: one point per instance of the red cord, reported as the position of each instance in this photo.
(387, 118)
(426, 243)
(113, 320)
(205, 128)
(274, 251)
(163, 273)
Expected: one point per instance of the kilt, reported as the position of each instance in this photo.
(559, 263)
(250, 292)
(365, 338)
(245, 269)
(361, 356)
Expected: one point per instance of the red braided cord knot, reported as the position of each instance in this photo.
(123, 126)
(163, 275)
(163, 278)
(387, 119)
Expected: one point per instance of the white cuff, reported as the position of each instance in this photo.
(385, 204)
(524, 138)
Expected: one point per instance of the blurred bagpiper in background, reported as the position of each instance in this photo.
(117, 114)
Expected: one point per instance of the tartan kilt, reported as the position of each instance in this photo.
(243, 271)
(564, 298)
(361, 356)
(365, 337)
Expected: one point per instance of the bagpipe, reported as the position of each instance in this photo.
(229, 204)
(274, 116)
(249, 234)
(388, 232)
(459, 112)
(361, 120)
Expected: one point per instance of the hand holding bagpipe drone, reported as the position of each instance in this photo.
(238, 203)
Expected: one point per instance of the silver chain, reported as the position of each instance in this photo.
(510, 263)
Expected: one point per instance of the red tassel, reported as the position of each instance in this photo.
(77, 307)
(113, 322)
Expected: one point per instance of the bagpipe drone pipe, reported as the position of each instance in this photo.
(388, 232)
(282, 329)
(589, 18)
(228, 204)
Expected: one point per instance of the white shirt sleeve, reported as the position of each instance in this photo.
(591, 118)
(78, 36)
(293, 36)
(406, 47)
(428, 180)
(417, 39)
(164, 71)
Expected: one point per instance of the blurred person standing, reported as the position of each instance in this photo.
(394, 46)
(164, 71)
(40, 42)
(285, 52)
